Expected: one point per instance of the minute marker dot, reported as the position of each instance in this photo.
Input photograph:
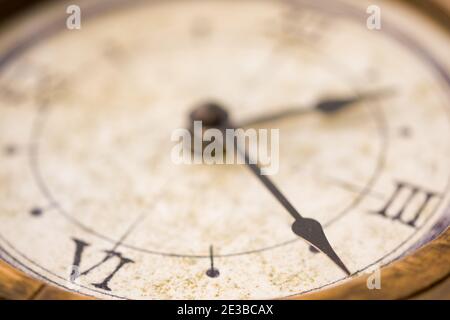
(36, 212)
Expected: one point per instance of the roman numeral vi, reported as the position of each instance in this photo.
(80, 246)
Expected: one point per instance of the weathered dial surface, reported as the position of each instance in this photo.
(88, 187)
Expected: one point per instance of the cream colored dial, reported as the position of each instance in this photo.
(87, 184)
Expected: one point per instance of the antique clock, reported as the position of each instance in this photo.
(92, 205)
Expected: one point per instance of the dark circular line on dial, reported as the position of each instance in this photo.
(34, 163)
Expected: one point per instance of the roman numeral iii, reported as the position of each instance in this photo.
(397, 205)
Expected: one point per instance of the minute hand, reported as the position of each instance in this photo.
(306, 228)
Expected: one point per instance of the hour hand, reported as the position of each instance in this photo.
(312, 231)
(326, 106)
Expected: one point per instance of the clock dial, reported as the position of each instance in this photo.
(91, 201)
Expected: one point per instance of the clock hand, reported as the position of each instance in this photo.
(326, 106)
(306, 228)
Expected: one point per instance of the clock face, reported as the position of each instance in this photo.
(91, 200)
